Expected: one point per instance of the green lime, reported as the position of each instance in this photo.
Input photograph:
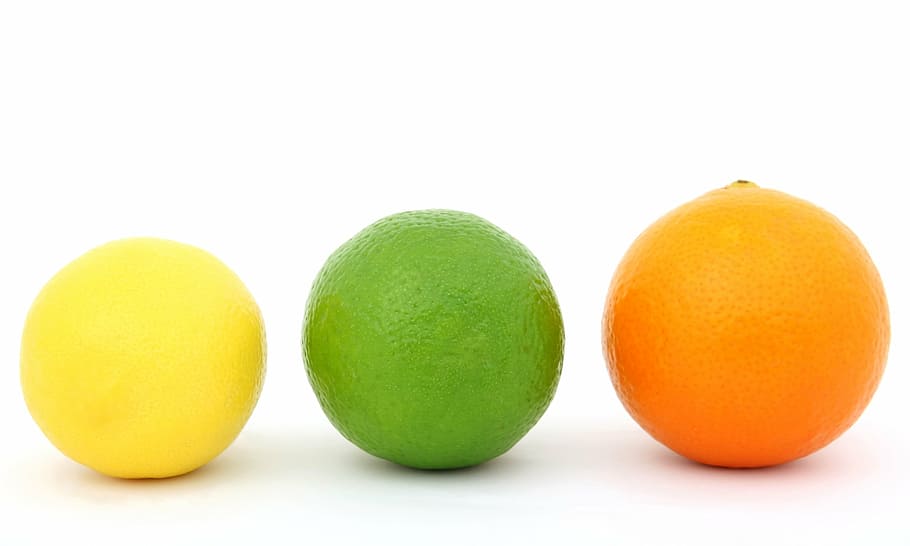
(433, 339)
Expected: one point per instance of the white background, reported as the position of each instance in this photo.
(268, 132)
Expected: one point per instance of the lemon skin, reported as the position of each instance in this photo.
(143, 358)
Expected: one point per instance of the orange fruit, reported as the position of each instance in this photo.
(746, 328)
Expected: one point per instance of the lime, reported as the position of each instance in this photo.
(143, 358)
(433, 339)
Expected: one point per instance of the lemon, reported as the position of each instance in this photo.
(433, 339)
(143, 358)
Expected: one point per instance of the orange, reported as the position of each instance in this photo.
(746, 328)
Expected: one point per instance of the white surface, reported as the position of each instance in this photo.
(269, 132)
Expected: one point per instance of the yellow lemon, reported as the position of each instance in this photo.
(143, 358)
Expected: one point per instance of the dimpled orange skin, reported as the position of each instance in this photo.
(746, 328)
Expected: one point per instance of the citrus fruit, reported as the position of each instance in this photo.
(143, 358)
(433, 339)
(746, 328)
